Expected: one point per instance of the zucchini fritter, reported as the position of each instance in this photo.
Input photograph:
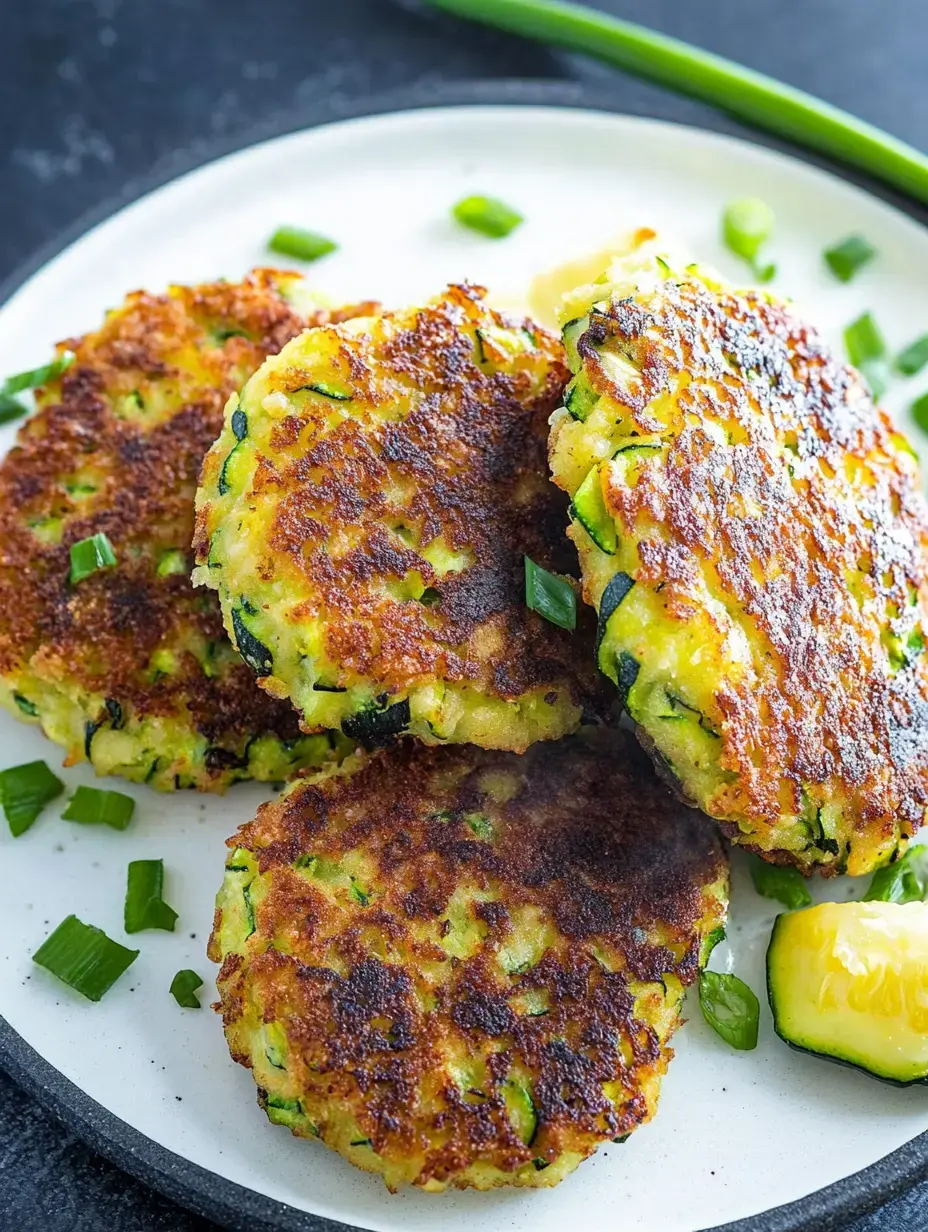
(462, 968)
(365, 514)
(131, 667)
(752, 533)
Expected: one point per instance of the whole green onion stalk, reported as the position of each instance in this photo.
(743, 93)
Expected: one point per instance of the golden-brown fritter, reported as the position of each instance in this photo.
(752, 533)
(365, 515)
(131, 667)
(462, 968)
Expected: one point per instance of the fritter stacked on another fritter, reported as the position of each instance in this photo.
(462, 968)
(365, 514)
(752, 533)
(131, 667)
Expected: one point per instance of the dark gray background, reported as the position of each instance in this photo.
(97, 93)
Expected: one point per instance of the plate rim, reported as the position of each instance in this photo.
(179, 1179)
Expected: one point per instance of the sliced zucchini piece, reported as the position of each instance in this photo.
(846, 981)
(378, 725)
(288, 1112)
(627, 668)
(28, 708)
(616, 590)
(521, 1109)
(580, 398)
(571, 334)
(239, 424)
(591, 512)
(255, 653)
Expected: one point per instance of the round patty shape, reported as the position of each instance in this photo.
(460, 967)
(752, 533)
(131, 667)
(365, 516)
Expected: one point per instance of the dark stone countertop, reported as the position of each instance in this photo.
(96, 93)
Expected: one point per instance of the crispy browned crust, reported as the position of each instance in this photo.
(470, 462)
(590, 840)
(778, 548)
(99, 636)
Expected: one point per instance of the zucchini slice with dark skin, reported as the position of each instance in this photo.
(590, 510)
(378, 726)
(571, 334)
(255, 653)
(843, 981)
(616, 590)
(627, 669)
(580, 398)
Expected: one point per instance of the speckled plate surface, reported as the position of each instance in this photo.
(152, 1086)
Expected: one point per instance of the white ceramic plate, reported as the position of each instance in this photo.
(736, 1133)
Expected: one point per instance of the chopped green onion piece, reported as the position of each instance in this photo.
(765, 271)
(919, 412)
(173, 562)
(25, 791)
(846, 258)
(145, 908)
(487, 215)
(914, 357)
(38, 376)
(89, 555)
(550, 596)
(746, 226)
(863, 340)
(84, 957)
(906, 881)
(689, 70)
(876, 373)
(11, 408)
(94, 807)
(730, 1008)
(299, 243)
(183, 989)
(786, 885)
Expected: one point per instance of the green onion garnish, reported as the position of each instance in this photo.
(689, 70)
(863, 340)
(299, 243)
(84, 957)
(183, 989)
(746, 226)
(914, 357)
(786, 885)
(38, 376)
(919, 412)
(906, 881)
(730, 1008)
(487, 215)
(94, 807)
(11, 408)
(25, 791)
(89, 555)
(145, 908)
(876, 374)
(846, 258)
(550, 596)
